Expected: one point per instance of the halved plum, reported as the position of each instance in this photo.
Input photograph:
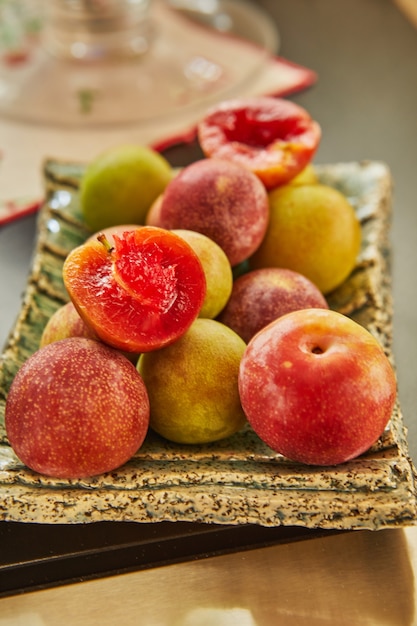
(139, 295)
(274, 138)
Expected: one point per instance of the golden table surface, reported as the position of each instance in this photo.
(353, 579)
(365, 54)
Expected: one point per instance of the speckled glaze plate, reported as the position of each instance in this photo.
(238, 480)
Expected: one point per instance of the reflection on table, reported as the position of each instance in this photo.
(351, 579)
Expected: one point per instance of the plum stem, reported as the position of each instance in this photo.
(106, 243)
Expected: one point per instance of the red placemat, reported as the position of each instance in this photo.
(280, 78)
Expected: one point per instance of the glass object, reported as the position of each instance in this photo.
(91, 30)
(95, 62)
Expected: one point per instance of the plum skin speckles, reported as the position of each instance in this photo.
(317, 387)
(76, 408)
(222, 200)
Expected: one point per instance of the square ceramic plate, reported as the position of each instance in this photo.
(239, 480)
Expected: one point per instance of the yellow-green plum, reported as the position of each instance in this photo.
(120, 184)
(307, 176)
(193, 384)
(217, 269)
(313, 230)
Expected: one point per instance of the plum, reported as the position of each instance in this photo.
(317, 387)
(110, 231)
(139, 295)
(217, 269)
(272, 137)
(76, 408)
(261, 296)
(222, 200)
(67, 322)
(120, 185)
(313, 229)
(64, 323)
(192, 384)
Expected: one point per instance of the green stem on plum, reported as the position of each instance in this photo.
(103, 239)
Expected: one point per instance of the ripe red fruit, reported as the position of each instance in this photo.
(261, 296)
(317, 387)
(272, 137)
(221, 200)
(76, 408)
(64, 323)
(140, 295)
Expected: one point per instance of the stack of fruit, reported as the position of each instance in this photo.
(198, 306)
